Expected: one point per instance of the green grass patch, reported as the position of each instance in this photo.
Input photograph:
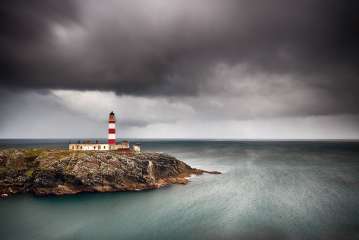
(3, 170)
(32, 154)
(29, 172)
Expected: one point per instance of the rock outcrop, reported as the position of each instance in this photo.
(59, 172)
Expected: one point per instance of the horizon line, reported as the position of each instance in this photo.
(207, 139)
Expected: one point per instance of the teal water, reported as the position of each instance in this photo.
(268, 190)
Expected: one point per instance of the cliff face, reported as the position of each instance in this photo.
(59, 172)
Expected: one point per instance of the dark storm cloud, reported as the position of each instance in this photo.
(169, 48)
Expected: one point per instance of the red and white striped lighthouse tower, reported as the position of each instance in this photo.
(111, 129)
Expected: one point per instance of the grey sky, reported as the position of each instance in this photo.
(202, 68)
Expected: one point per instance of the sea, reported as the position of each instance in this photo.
(267, 190)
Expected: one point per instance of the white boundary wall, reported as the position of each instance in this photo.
(100, 147)
(89, 147)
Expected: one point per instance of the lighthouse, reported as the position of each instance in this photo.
(111, 145)
(111, 129)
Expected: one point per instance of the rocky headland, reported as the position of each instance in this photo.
(59, 172)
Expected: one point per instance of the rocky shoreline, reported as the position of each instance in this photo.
(60, 172)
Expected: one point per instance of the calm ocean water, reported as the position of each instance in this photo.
(268, 190)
